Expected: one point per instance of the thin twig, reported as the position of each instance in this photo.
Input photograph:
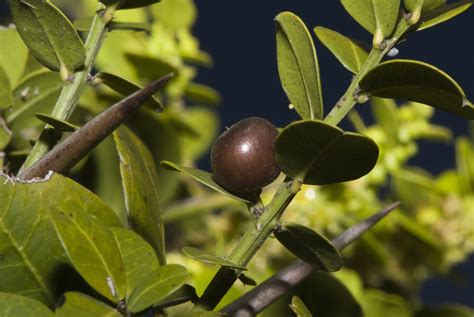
(69, 152)
(276, 286)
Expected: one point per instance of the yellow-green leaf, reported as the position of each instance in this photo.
(48, 34)
(417, 81)
(443, 13)
(140, 187)
(309, 246)
(12, 305)
(202, 177)
(81, 305)
(93, 251)
(204, 257)
(298, 66)
(318, 153)
(126, 88)
(31, 252)
(349, 52)
(299, 308)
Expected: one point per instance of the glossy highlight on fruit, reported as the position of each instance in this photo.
(243, 157)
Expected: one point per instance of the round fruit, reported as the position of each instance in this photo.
(243, 157)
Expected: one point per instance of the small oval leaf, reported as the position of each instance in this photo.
(362, 11)
(59, 125)
(298, 66)
(386, 15)
(48, 34)
(184, 294)
(202, 177)
(161, 283)
(201, 256)
(247, 280)
(443, 13)
(140, 187)
(299, 308)
(82, 305)
(318, 153)
(93, 251)
(126, 88)
(138, 257)
(349, 52)
(417, 81)
(12, 305)
(309, 246)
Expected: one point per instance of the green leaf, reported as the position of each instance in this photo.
(81, 305)
(5, 135)
(464, 165)
(176, 14)
(362, 11)
(446, 310)
(443, 13)
(309, 246)
(324, 295)
(12, 305)
(378, 303)
(13, 54)
(147, 282)
(414, 8)
(379, 17)
(385, 113)
(202, 94)
(161, 283)
(346, 50)
(184, 294)
(93, 251)
(386, 15)
(130, 4)
(59, 125)
(202, 177)
(299, 308)
(107, 183)
(32, 256)
(140, 187)
(6, 98)
(138, 257)
(36, 93)
(246, 280)
(150, 67)
(162, 139)
(201, 256)
(48, 34)
(318, 153)
(417, 81)
(126, 88)
(298, 66)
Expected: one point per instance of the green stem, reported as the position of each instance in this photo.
(71, 92)
(248, 245)
(349, 99)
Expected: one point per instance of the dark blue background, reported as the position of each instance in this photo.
(240, 37)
